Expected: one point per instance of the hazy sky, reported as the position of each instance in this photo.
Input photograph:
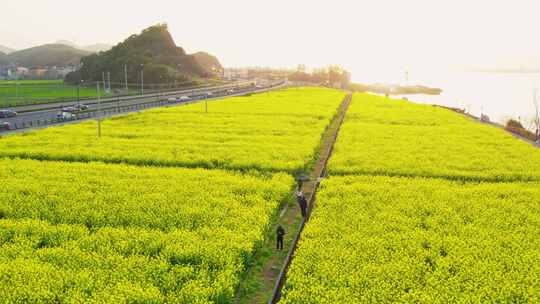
(364, 36)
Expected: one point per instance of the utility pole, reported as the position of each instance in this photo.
(142, 79)
(159, 88)
(78, 91)
(109, 81)
(125, 77)
(103, 78)
(406, 77)
(98, 115)
(177, 73)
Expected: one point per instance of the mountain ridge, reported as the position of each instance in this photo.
(46, 55)
(153, 50)
(6, 50)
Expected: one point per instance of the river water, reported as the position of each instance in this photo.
(499, 95)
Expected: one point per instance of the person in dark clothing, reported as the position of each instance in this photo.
(302, 202)
(280, 233)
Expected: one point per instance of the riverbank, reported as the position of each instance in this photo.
(514, 132)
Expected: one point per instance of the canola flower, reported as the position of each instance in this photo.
(397, 138)
(99, 232)
(422, 205)
(168, 206)
(279, 131)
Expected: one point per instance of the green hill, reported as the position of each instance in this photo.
(208, 62)
(98, 47)
(3, 58)
(153, 50)
(47, 55)
(6, 50)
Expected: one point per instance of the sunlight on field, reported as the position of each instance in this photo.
(422, 205)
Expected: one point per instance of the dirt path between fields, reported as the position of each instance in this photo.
(265, 278)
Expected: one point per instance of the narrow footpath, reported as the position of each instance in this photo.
(263, 281)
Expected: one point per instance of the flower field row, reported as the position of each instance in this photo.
(74, 232)
(151, 212)
(278, 131)
(422, 205)
(397, 138)
(414, 240)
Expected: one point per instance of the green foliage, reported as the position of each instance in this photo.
(46, 55)
(331, 74)
(208, 62)
(278, 131)
(11, 83)
(36, 91)
(517, 128)
(3, 59)
(512, 123)
(153, 51)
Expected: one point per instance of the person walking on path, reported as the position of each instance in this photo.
(302, 202)
(280, 233)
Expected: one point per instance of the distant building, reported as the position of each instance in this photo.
(3, 73)
(59, 72)
(235, 73)
(19, 73)
(52, 73)
(37, 73)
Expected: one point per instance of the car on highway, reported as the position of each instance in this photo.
(80, 107)
(69, 109)
(230, 91)
(7, 113)
(65, 116)
(183, 98)
(171, 100)
(208, 95)
(5, 126)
